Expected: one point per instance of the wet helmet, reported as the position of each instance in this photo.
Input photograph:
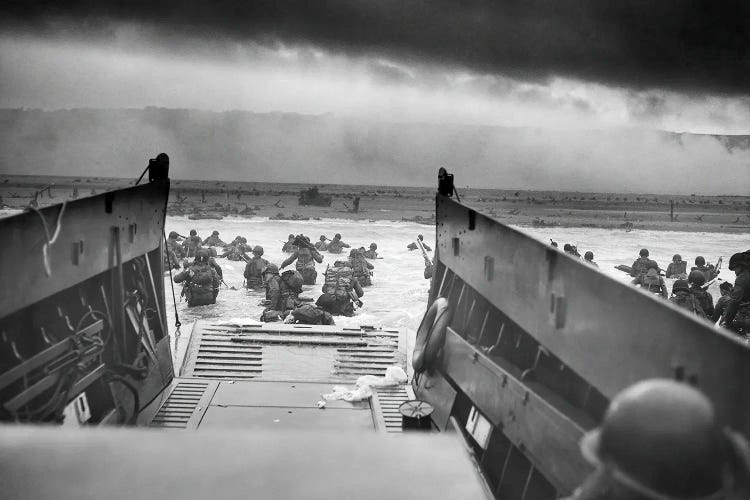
(326, 301)
(322, 237)
(567, 247)
(676, 258)
(173, 234)
(271, 269)
(258, 250)
(373, 246)
(193, 232)
(696, 277)
(643, 252)
(739, 259)
(589, 255)
(660, 439)
(201, 255)
(337, 236)
(680, 285)
(700, 261)
(215, 233)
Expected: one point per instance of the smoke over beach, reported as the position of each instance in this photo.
(277, 147)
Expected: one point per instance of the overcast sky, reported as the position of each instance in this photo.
(583, 64)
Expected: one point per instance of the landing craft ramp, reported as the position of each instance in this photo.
(258, 375)
(539, 343)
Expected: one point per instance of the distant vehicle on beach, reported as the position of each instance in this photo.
(313, 197)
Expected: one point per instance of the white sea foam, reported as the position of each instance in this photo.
(398, 297)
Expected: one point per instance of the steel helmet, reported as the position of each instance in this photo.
(326, 301)
(271, 269)
(700, 261)
(373, 246)
(337, 236)
(215, 233)
(643, 252)
(739, 259)
(322, 237)
(677, 258)
(243, 239)
(660, 439)
(201, 255)
(696, 277)
(193, 232)
(258, 250)
(588, 255)
(680, 285)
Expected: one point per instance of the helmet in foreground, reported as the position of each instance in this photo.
(696, 277)
(201, 255)
(741, 259)
(680, 285)
(660, 440)
(700, 261)
(643, 252)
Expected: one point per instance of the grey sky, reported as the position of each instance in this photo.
(566, 66)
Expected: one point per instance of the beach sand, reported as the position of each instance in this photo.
(692, 213)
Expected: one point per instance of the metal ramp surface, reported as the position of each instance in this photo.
(275, 351)
(263, 376)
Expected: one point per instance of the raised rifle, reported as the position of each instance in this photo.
(427, 260)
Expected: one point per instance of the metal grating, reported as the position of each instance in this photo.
(386, 401)
(180, 405)
(365, 360)
(218, 357)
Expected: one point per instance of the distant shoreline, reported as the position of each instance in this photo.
(542, 209)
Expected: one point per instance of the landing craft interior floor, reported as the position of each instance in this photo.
(260, 375)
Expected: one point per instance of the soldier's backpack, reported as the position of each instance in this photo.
(202, 276)
(652, 281)
(293, 280)
(309, 314)
(339, 281)
(686, 300)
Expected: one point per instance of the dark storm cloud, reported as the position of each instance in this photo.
(674, 44)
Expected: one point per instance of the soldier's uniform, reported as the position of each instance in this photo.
(201, 282)
(214, 240)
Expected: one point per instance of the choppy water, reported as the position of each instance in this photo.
(398, 297)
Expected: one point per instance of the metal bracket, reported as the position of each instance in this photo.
(558, 309)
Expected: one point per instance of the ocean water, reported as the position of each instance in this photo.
(398, 297)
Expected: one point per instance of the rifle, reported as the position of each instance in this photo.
(300, 241)
(355, 299)
(427, 260)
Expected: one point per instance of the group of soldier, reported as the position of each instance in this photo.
(572, 250)
(342, 288)
(690, 290)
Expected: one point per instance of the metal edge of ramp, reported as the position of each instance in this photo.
(385, 403)
(185, 405)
